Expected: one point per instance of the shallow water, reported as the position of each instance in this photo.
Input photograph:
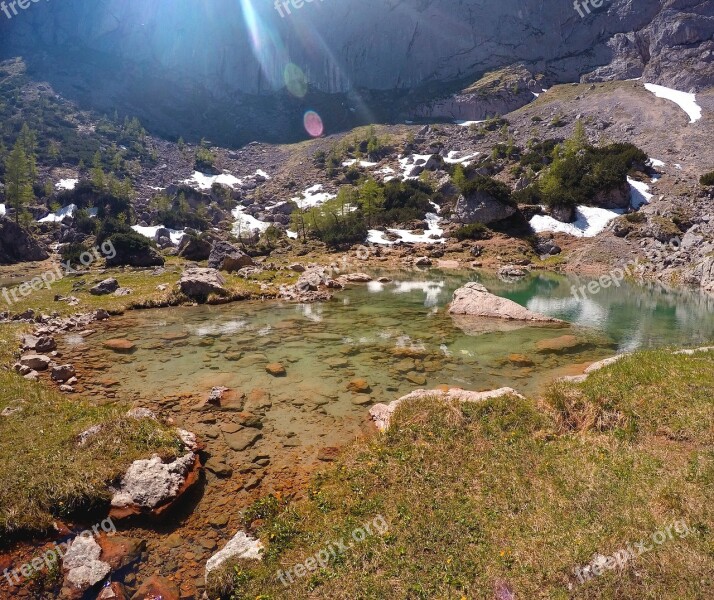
(396, 336)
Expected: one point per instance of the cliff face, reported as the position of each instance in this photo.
(235, 52)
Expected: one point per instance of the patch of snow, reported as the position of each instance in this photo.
(2, 210)
(60, 215)
(66, 184)
(313, 196)
(434, 229)
(452, 158)
(205, 182)
(639, 193)
(407, 162)
(467, 123)
(656, 163)
(157, 188)
(677, 166)
(150, 232)
(292, 235)
(92, 212)
(686, 101)
(536, 95)
(262, 173)
(245, 223)
(589, 221)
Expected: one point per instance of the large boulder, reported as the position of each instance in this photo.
(104, 288)
(194, 248)
(480, 207)
(226, 257)
(199, 283)
(18, 245)
(474, 300)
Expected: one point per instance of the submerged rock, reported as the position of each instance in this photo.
(82, 565)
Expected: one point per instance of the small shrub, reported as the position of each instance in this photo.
(707, 179)
(474, 231)
(636, 217)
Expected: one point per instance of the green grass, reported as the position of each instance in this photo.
(144, 285)
(45, 474)
(516, 491)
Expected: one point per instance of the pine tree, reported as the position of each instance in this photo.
(578, 141)
(18, 180)
(28, 140)
(371, 198)
(97, 171)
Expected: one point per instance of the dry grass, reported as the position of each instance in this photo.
(501, 493)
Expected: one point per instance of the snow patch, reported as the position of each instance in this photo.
(205, 182)
(3, 212)
(313, 196)
(639, 193)
(467, 123)
(60, 215)
(150, 232)
(245, 223)
(66, 184)
(686, 101)
(452, 158)
(656, 163)
(589, 221)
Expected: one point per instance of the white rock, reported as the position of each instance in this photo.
(148, 483)
(82, 564)
(241, 546)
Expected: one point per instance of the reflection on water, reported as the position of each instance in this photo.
(397, 336)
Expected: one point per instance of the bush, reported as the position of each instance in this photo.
(707, 179)
(205, 159)
(474, 231)
(636, 217)
(487, 185)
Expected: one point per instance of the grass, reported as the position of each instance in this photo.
(515, 494)
(45, 474)
(144, 285)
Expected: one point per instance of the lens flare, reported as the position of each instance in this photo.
(313, 123)
(295, 80)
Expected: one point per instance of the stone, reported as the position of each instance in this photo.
(194, 248)
(17, 244)
(481, 207)
(422, 261)
(605, 363)
(328, 454)
(198, 283)
(120, 346)
(416, 378)
(157, 588)
(520, 360)
(297, 267)
(359, 386)
(558, 345)
(511, 272)
(150, 485)
(104, 288)
(114, 591)
(240, 546)
(474, 300)
(82, 565)
(62, 373)
(243, 439)
(276, 370)
(355, 278)
(119, 551)
(36, 362)
(226, 257)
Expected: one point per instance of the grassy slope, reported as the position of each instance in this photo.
(44, 473)
(519, 493)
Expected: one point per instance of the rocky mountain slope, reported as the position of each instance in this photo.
(349, 62)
